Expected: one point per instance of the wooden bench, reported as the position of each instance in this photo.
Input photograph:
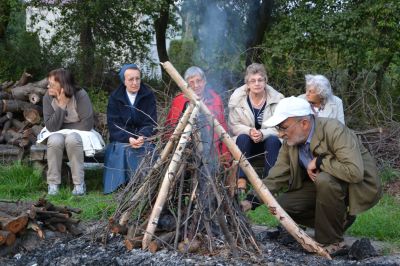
(38, 156)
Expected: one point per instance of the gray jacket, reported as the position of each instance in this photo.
(55, 117)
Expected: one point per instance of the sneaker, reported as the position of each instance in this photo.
(52, 190)
(79, 190)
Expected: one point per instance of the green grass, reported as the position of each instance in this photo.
(23, 182)
(382, 222)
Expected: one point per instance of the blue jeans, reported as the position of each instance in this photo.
(270, 146)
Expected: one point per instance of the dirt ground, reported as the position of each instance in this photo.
(62, 249)
(276, 249)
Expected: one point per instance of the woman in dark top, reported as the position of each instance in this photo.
(131, 118)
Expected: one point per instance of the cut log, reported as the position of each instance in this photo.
(7, 84)
(168, 179)
(61, 227)
(133, 243)
(34, 98)
(307, 242)
(190, 246)
(6, 126)
(32, 116)
(161, 241)
(6, 117)
(6, 238)
(17, 106)
(35, 227)
(13, 224)
(23, 92)
(24, 79)
(4, 95)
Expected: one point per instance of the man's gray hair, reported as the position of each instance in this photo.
(321, 84)
(253, 69)
(193, 71)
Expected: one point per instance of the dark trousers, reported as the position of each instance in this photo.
(270, 146)
(320, 205)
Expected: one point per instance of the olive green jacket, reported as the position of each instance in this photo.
(344, 157)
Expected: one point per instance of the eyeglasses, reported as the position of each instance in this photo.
(52, 85)
(283, 129)
(195, 82)
(254, 81)
(131, 80)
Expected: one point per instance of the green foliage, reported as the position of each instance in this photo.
(262, 216)
(93, 37)
(19, 50)
(388, 174)
(99, 99)
(181, 54)
(355, 44)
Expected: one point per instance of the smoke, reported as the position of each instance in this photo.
(219, 31)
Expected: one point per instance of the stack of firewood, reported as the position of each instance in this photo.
(18, 217)
(20, 112)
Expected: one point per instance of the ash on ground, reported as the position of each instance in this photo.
(277, 249)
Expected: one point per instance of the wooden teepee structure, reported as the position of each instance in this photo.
(181, 198)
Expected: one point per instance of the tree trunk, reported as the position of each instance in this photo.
(259, 19)
(86, 53)
(160, 26)
(5, 10)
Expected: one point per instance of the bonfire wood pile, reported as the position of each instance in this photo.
(183, 200)
(18, 217)
(20, 114)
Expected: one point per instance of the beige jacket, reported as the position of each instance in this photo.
(344, 157)
(241, 117)
(333, 108)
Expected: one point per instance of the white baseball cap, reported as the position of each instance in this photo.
(288, 107)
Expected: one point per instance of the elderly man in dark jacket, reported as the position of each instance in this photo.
(327, 175)
(131, 118)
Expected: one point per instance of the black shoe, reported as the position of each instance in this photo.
(350, 219)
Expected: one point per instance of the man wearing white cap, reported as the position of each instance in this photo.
(327, 175)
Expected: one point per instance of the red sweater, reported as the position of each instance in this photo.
(214, 103)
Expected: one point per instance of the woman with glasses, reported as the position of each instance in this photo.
(196, 79)
(323, 102)
(67, 112)
(131, 120)
(249, 106)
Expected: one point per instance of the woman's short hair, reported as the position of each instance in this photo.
(193, 71)
(66, 80)
(321, 84)
(253, 69)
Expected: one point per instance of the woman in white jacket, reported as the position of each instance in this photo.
(249, 106)
(323, 102)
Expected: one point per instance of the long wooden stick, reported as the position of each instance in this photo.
(168, 178)
(307, 242)
(163, 157)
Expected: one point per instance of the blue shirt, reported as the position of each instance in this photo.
(305, 154)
